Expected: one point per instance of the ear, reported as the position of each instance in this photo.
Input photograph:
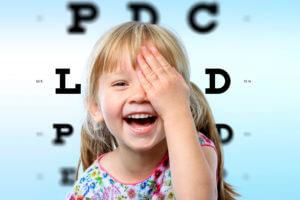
(95, 112)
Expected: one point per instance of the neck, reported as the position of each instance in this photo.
(138, 165)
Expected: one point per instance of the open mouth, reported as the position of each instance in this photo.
(140, 122)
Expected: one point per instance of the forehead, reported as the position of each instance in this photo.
(123, 64)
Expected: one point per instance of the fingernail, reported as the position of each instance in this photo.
(139, 57)
(153, 49)
(144, 48)
(139, 73)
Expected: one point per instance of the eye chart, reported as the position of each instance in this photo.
(244, 56)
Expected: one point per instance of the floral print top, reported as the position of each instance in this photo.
(97, 184)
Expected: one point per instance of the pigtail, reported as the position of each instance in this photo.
(205, 123)
(95, 140)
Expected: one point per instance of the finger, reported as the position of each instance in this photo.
(144, 82)
(163, 62)
(148, 72)
(153, 62)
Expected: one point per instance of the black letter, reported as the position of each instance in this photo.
(213, 89)
(59, 133)
(229, 130)
(65, 172)
(211, 8)
(136, 7)
(78, 16)
(63, 89)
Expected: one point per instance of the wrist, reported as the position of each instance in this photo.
(179, 122)
(176, 114)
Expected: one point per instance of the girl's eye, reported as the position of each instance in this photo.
(120, 84)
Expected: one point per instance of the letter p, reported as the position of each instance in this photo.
(79, 16)
(59, 133)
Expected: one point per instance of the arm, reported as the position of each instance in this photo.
(192, 177)
(191, 174)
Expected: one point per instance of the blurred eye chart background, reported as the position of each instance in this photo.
(249, 49)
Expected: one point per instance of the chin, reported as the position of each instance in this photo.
(143, 146)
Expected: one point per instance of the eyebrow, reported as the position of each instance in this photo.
(120, 71)
(117, 74)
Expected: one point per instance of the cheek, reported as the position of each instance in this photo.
(112, 106)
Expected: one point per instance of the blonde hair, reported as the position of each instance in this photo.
(129, 37)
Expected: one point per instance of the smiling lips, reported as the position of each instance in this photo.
(141, 123)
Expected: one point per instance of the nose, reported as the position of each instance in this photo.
(138, 94)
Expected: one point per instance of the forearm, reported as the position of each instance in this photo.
(191, 177)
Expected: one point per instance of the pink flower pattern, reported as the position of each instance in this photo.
(157, 186)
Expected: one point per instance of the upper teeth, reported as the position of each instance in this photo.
(137, 116)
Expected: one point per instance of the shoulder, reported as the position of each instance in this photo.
(204, 140)
(210, 152)
(85, 182)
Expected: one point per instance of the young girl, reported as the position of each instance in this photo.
(149, 131)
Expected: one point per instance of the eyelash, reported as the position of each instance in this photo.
(117, 84)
